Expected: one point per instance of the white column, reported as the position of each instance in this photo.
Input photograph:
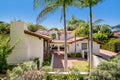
(59, 49)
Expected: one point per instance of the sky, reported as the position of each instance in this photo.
(10, 10)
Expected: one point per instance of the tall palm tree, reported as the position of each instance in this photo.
(50, 7)
(90, 4)
(72, 25)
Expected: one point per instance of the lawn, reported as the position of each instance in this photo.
(82, 66)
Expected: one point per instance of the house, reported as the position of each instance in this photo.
(116, 35)
(99, 55)
(30, 46)
(58, 35)
(81, 45)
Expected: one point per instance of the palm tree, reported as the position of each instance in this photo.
(116, 28)
(59, 34)
(50, 7)
(72, 25)
(90, 4)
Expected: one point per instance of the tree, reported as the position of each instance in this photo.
(59, 34)
(5, 50)
(4, 27)
(83, 29)
(72, 25)
(50, 7)
(116, 28)
(101, 37)
(41, 27)
(54, 29)
(106, 29)
(90, 4)
(53, 36)
(32, 28)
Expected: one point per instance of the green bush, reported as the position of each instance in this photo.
(28, 71)
(20, 69)
(75, 55)
(47, 62)
(46, 68)
(32, 75)
(58, 76)
(112, 45)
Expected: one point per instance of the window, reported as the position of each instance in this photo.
(84, 46)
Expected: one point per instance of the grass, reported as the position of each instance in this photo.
(82, 66)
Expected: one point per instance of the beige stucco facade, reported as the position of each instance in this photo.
(97, 60)
(27, 48)
(96, 47)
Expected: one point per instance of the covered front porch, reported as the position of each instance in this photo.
(58, 48)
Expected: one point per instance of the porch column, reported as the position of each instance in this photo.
(59, 49)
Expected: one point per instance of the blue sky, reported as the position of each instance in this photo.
(109, 11)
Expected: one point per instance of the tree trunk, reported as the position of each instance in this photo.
(91, 40)
(65, 43)
(75, 42)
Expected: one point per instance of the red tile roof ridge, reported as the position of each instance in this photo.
(37, 35)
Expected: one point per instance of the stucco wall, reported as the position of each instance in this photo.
(28, 48)
(19, 53)
(35, 47)
(96, 47)
(97, 60)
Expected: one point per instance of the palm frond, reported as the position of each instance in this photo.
(41, 3)
(96, 22)
(49, 9)
(87, 3)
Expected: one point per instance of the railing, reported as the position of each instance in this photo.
(83, 73)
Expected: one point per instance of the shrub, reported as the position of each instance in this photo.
(75, 55)
(107, 70)
(47, 62)
(46, 68)
(112, 45)
(73, 75)
(32, 75)
(20, 69)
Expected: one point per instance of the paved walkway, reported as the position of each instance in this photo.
(107, 53)
(58, 62)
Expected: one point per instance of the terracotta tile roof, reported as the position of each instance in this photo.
(37, 35)
(68, 32)
(43, 32)
(77, 39)
(107, 53)
(71, 40)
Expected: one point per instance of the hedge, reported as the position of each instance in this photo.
(112, 45)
